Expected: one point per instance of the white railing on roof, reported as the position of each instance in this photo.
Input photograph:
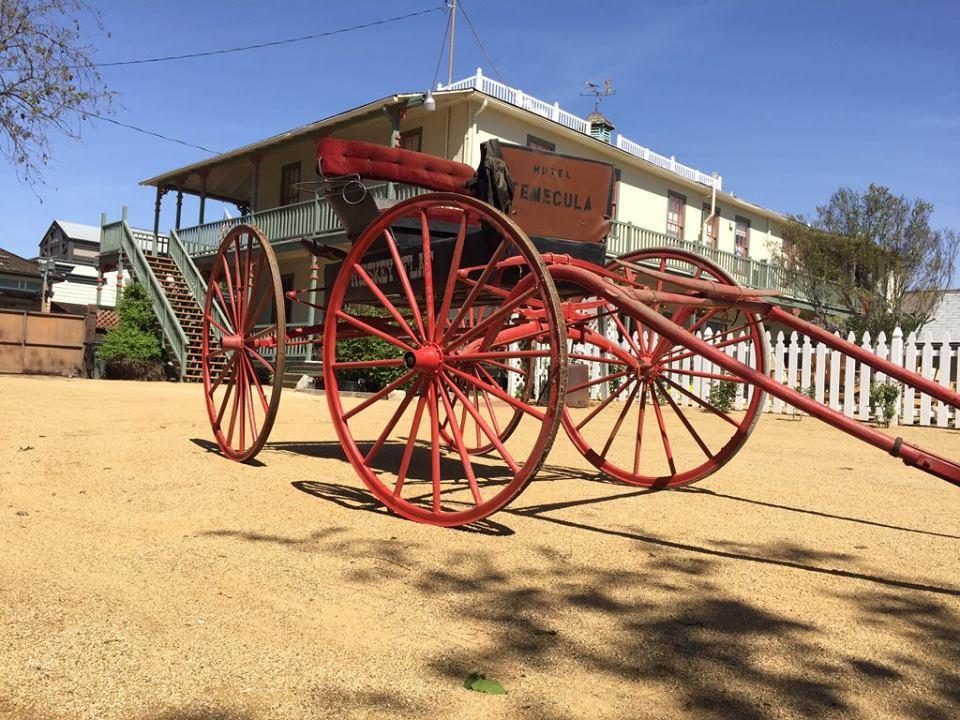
(553, 112)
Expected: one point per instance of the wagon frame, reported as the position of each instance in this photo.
(460, 295)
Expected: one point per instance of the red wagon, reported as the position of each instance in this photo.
(442, 298)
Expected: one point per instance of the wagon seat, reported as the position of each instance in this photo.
(340, 159)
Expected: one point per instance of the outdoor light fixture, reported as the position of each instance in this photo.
(429, 104)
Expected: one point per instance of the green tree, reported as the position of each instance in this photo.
(136, 337)
(876, 253)
(48, 83)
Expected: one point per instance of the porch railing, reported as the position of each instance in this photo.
(311, 218)
(750, 272)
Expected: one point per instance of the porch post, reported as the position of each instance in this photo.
(311, 310)
(203, 195)
(156, 220)
(395, 114)
(254, 184)
(179, 207)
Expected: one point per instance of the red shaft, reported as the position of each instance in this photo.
(911, 455)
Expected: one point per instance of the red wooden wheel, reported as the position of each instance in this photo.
(658, 394)
(406, 288)
(244, 323)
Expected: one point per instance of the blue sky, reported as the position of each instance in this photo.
(786, 101)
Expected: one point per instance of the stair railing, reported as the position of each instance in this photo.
(172, 330)
(191, 275)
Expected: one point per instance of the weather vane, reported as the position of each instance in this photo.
(599, 93)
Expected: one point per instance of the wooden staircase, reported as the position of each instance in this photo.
(188, 312)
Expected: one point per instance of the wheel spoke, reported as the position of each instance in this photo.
(701, 402)
(623, 414)
(433, 410)
(390, 425)
(494, 437)
(256, 382)
(404, 281)
(386, 390)
(610, 398)
(458, 441)
(370, 330)
(636, 449)
(663, 428)
(223, 373)
(384, 300)
(605, 378)
(496, 391)
(685, 421)
(411, 441)
(451, 279)
(697, 373)
(497, 354)
(226, 276)
(691, 353)
(488, 323)
(363, 364)
(428, 297)
(471, 298)
(225, 402)
(225, 310)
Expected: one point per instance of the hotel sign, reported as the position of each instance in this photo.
(558, 196)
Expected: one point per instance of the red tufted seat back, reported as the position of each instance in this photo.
(379, 162)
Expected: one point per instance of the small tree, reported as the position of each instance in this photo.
(48, 83)
(133, 349)
(876, 253)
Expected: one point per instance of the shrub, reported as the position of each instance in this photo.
(132, 349)
(722, 395)
(883, 402)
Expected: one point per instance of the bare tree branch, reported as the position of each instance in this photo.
(48, 83)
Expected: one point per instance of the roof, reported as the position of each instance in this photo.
(76, 231)
(13, 264)
(170, 178)
(173, 177)
(598, 117)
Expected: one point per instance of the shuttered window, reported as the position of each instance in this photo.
(676, 205)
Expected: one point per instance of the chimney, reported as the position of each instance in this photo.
(600, 127)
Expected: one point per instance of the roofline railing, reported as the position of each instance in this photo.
(520, 99)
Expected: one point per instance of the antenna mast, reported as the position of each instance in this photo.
(453, 28)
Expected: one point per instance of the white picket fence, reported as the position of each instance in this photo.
(834, 379)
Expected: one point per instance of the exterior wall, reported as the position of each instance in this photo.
(642, 197)
(946, 317)
(80, 287)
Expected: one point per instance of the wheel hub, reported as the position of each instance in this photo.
(232, 342)
(427, 359)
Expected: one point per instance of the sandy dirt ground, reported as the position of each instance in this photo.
(143, 576)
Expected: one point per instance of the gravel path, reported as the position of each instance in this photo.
(143, 576)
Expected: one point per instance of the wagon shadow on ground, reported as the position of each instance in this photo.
(671, 632)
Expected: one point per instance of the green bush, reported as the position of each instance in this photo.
(369, 348)
(132, 350)
(883, 402)
(722, 395)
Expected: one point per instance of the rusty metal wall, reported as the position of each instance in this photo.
(41, 344)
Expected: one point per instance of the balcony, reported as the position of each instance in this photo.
(315, 218)
(310, 219)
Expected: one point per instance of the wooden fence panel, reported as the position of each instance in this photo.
(40, 343)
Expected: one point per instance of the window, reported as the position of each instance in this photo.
(289, 177)
(711, 226)
(742, 237)
(540, 144)
(676, 205)
(412, 139)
